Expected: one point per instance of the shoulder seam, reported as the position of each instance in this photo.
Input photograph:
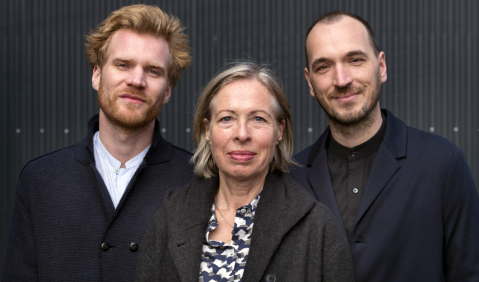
(181, 149)
(39, 157)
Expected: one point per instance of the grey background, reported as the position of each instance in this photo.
(430, 45)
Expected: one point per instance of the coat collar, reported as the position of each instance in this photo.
(279, 209)
(393, 147)
(160, 149)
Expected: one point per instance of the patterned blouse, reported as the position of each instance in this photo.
(226, 262)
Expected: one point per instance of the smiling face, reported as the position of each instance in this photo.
(133, 85)
(343, 72)
(243, 131)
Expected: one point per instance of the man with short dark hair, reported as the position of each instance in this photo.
(405, 198)
(80, 213)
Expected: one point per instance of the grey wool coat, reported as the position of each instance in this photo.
(294, 238)
(64, 226)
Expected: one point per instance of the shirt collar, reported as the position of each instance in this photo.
(361, 151)
(103, 152)
(160, 149)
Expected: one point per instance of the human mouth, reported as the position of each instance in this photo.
(131, 98)
(346, 97)
(241, 156)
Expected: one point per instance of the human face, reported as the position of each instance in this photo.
(343, 72)
(243, 131)
(133, 83)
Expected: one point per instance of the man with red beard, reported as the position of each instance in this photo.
(80, 213)
(405, 198)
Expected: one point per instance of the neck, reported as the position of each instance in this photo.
(353, 135)
(122, 143)
(233, 193)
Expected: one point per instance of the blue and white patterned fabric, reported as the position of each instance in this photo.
(221, 262)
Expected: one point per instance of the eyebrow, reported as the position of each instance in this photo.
(260, 111)
(252, 112)
(319, 61)
(349, 54)
(356, 53)
(129, 60)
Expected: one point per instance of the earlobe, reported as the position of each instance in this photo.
(96, 77)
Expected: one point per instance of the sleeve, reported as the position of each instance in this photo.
(153, 248)
(461, 222)
(337, 265)
(20, 262)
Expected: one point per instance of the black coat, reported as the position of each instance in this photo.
(294, 237)
(419, 215)
(63, 213)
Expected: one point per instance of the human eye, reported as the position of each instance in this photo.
(322, 68)
(357, 60)
(153, 72)
(122, 66)
(257, 118)
(225, 119)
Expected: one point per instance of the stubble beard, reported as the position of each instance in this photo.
(132, 119)
(351, 118)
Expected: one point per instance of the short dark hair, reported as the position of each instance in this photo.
(335, 16)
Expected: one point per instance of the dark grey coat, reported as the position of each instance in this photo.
(294, 238)
(63, 212)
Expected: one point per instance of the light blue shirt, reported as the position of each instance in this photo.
(115, 178)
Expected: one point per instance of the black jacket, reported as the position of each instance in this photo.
(63, 213)
(419, 215)
(294, 237)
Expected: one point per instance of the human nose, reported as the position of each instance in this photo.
(341, 76)
(243, 133)
(137, 78)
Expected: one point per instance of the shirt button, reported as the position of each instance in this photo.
(243, 211)
(355, 190)
(353, 154)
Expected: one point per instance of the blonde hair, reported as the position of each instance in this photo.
(142, 19)
(242, 70)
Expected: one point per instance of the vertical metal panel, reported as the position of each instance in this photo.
(430, 45)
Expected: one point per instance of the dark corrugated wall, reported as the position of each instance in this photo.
(431, 53)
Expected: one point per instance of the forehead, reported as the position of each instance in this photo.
(130, 45)
(338, 38)
(243, 94)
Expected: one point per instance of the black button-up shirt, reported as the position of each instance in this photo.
(349, 169)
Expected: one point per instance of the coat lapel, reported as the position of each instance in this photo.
(272, 221)
(188, 226)
(384, 168)
(386, 165)
(320, 179)
(186, 248)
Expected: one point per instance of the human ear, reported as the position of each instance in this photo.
(281, 129)
(382, 67)
(96, 77)
(167, 96)
(207, 129)
(306, 75)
